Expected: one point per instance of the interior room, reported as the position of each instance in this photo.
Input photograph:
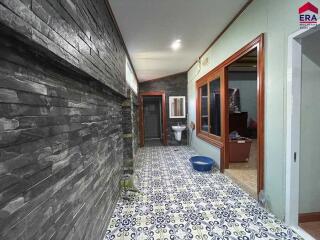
(159, 119)
(242, 84)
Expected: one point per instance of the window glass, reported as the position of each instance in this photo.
(204, 108)
(215, 107)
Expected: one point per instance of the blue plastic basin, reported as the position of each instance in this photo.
(201, 163)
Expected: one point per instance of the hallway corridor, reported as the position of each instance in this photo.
(178, 203)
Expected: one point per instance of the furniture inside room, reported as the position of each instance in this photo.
(239, 122)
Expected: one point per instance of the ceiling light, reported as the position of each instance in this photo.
(176, 44)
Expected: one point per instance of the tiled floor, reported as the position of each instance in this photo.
(152, 143)
(177, 202)
(245, 174)
(246, 178)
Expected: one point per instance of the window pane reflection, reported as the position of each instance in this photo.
(215, 107)
(204, 108)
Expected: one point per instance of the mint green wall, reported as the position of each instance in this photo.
(277, 19)
(309, 190)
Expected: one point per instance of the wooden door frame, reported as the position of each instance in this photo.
(257, 43)
(162, 94)
(293, 103)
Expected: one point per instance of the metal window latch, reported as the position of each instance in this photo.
(295, 157)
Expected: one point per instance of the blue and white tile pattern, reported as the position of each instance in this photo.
(177, 202)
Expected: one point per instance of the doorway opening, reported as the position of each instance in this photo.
(214, 115)
(303, 117)
(153, 122)
(248, 62)
(242, 122)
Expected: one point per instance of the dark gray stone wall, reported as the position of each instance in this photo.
(80, 33)
(130, 129)
(135, 123)
(174, 85)
(61, 138)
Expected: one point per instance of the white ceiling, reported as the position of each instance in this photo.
(150, 26)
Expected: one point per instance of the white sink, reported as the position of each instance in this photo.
(177, 131)
(178, 128)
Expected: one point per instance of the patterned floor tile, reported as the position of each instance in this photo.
(176, 202)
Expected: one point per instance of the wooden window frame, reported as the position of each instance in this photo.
(257, 43)
(206, 80)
